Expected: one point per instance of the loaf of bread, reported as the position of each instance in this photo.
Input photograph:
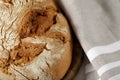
(35, 41)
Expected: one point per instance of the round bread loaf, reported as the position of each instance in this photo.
(35, 41)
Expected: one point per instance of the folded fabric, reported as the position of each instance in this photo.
(97, 26)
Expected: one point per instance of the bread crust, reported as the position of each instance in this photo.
(35, 41)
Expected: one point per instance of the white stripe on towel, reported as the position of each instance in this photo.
(99, 50)
(107, 67)
(116, 77)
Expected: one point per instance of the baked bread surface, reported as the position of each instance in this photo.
(35, 41)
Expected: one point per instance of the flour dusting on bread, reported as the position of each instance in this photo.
(35, 41)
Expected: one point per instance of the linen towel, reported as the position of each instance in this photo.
(96, 24)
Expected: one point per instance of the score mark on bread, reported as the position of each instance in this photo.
(38, 23)
(25, 52)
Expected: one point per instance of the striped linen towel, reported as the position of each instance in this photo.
(97, 26)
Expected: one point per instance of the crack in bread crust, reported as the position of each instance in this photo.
(21, 54)
(38, 23)
(25, 53)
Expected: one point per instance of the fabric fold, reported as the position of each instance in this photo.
(96, 25)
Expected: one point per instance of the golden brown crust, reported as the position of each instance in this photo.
(36, 23)
(60, 68)
(25, 53)
(21, 55)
